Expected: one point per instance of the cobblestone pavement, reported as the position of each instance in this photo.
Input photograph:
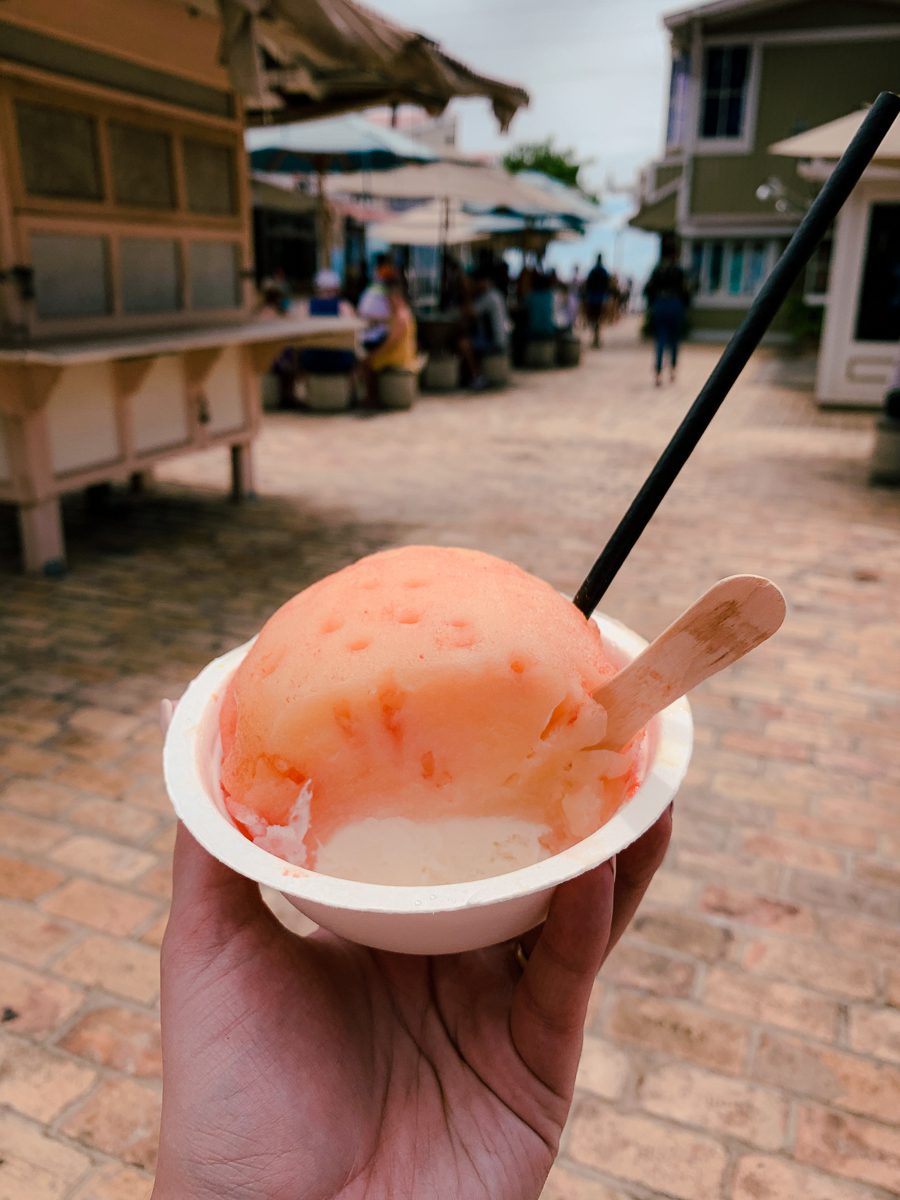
(744, 1042)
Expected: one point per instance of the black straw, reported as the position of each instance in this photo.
(744, 341)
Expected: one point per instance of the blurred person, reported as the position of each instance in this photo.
(627, 289)
(490, 327)
(668, 295)
(312, 1068)
(275, 293)
(539, 309)
(561, 318)
(525, 282)
(596, 288)
(374, 304)
(327, 302)
(501, 278)
(573, 300)
(614, 299)
(398, 351)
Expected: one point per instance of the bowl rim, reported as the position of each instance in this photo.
(205, 818)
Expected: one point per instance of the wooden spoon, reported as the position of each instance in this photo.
(728, 621)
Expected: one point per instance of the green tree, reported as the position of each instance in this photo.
(546, 158)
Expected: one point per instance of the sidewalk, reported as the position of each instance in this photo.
(744, 1043)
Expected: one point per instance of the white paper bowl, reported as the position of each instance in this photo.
(441, 919)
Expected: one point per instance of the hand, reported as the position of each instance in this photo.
(316, 1069)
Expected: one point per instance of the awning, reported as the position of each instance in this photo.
(296, 59)
(829, 141)
(658, 216)
(269, 195)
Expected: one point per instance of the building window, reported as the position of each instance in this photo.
(141, 166)
(678, 100)
(723, 105)
(710, 278)
(125, 218)
(731, 272)
(150, 275)
(71, 275)
(755, 267)
(215, 275)
(71, 171)
(209, 170)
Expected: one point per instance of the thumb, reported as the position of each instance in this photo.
(207, 896)
(210, 902)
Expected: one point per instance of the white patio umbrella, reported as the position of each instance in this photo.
(341, 143)
(568, 201)
(455, 182)
(478, 184)
(429, 224)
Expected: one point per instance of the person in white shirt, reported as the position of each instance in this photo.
(375, 305)
(573, 302)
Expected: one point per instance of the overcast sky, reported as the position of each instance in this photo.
(597, 71)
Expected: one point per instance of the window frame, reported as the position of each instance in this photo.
(684, 99)
(722, 297)
(174, 152)
(117, 319)
(113, 221)
(93, 123)
(745, 142)
(810, 296)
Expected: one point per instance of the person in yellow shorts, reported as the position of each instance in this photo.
(399, 349)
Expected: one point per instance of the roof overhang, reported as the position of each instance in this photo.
(719, 8)
(676, 21)
(297, 59)
(826, 143)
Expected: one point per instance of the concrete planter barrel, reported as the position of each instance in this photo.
(540, 355)
(568, 351)
(328, 393)
(397, 389)
(496, 370)
(441, 373)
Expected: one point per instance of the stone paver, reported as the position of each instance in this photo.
(744, 1043)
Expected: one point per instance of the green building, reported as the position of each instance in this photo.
(746, 74)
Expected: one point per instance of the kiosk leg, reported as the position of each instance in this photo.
(43, 547)
(241, 472)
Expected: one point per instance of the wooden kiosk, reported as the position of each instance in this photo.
(126, 304)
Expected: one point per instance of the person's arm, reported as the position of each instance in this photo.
(395, 333)
(396, 330)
